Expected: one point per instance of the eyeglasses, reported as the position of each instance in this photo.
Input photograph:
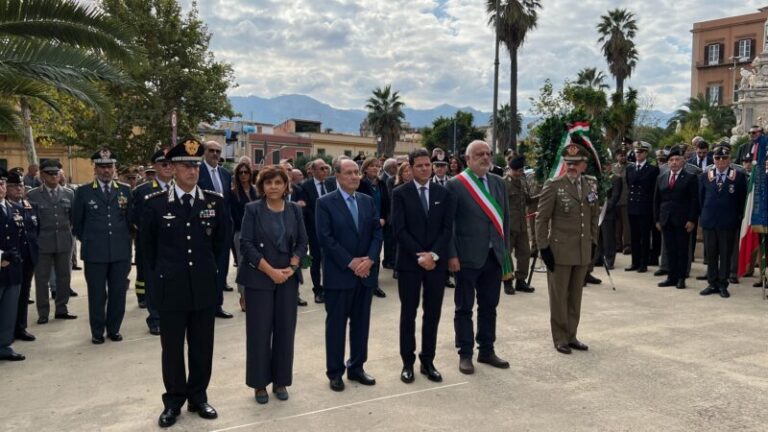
(754, 132)
(243, 172)
(325, 168)
(217, 151)
(165, 164)
(721, 157)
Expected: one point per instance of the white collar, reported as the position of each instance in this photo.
(419, 186)
(180, 193)
(345, 195)
(210, 168)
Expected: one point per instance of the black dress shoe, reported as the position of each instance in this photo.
(563, 349)
(379, 293)
(631, 268)
(361, 376)
(117, 337)
(449, 284)
(509, 289)
(709, 291)
(14, 356)
(466, 367)
(733, 280)
(72, 293)
(578, 345)
(24, 335)
(642, 269)
(221, 313)
(667, 283)
(301, 302)
(660, 272)
(681, 284)
(431, 373)
(142, 304)
(30, 301)
(154, 331)
(757, 285)
(522, 286)
(319, 298)
(627, 250)
(97, 340)
(65, 316)
(701, 277)
(204, 410)
(42, 320)
(493, 360)
(168, 417)
(76, 267)
(406, 375)
(724, 293)
(337, 384)
(53, 295)
(228, 288)
(592, 280)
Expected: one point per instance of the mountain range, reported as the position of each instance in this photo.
(278, 109)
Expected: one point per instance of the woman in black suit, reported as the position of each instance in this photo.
(243, 192)
(371, 186)
(272, 242)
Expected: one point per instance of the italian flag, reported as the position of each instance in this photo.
(582, 130)
(749, 240)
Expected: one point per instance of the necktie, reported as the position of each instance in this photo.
(322, 188)
(106, 190)
(485, 185)
(423, 197)
(187, 203)
(216, 180)
(672, 180)
(578, 186)
(352, 204)
(5, 210)
(52, 193)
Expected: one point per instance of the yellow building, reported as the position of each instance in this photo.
(334, 144)
(13, 154)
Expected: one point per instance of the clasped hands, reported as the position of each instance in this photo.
(361, 266)
(279, 276)
(426, 261)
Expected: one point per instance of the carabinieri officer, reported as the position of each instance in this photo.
(183, 231)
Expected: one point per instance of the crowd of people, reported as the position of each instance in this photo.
(433, 222)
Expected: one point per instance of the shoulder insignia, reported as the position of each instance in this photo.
(210, 192)
(124, 184)
(590, 178)
(154, 195)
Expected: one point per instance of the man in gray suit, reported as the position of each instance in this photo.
(478, 254)
(54, 204)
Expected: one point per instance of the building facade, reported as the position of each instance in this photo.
(721, 47)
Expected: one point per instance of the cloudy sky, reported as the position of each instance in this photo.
(441, 51)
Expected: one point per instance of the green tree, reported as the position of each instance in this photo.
(617, 30)
(721, 118)
(620, 117)
(590, 77)
(505, 122)
(385, 118)
(441, 133)
(50, 46)
(516, 19)
(586, 97)
(549, 103)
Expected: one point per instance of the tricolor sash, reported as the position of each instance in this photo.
(491, 208)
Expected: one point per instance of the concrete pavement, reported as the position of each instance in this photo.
(660, 359)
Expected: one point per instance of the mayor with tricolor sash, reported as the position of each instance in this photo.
(478, 255)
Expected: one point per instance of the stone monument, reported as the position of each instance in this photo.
(752, 105)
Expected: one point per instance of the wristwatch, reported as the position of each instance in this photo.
(294, 267)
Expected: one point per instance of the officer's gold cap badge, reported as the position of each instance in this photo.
(572, 150)
(191, 146)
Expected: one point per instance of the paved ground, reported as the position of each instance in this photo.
(659, 359)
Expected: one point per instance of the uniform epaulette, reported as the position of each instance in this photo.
(590, 178)
(124, 184)
(155, 194)
(210, 192)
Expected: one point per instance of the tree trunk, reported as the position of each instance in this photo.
(389, 142)
(27, 139)
(620, 86)
(513, 100)
(495, 138)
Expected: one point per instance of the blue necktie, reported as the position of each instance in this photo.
(423, 197)
(352, 204)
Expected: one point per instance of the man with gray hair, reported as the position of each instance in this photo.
(312, 189)
(478, 255)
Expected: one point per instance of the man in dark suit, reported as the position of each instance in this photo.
(478, 254)
(675, 214)
(349, 232)
(641, 181)
(184, 230)
(215, 178)
(387, 178)
(722, 194)
(11, 232)
(422, 219)
(312, 189)
(702, 158)
(101, 221)
(161, 182)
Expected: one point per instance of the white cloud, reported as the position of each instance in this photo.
(441, 51)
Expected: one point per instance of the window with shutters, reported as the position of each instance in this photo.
(713, 56)
(745, 48)
(258, 155)
(713, 94)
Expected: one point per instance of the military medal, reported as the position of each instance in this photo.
(122, 201)
(731, 188)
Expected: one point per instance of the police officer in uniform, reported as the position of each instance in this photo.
(101, 221)
(722, 194)
(183, 231)
(566, 232)
(11, 228)
(519, 199)
(29, 250)
(641, 181)
(160, 182)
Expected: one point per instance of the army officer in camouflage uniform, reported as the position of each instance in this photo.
(519, 199)
(566, 233)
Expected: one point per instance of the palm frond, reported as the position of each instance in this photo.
(10, 118)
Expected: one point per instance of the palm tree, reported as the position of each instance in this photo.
(721, 118)
(516, 19)
(621, 116)
(617, 29)
(385, 118)
(590, 77)
(49, 46)
(505, 122)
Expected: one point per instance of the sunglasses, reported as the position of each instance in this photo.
(213, 151)
(721, 157)
(243, 172)
(754, 132)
